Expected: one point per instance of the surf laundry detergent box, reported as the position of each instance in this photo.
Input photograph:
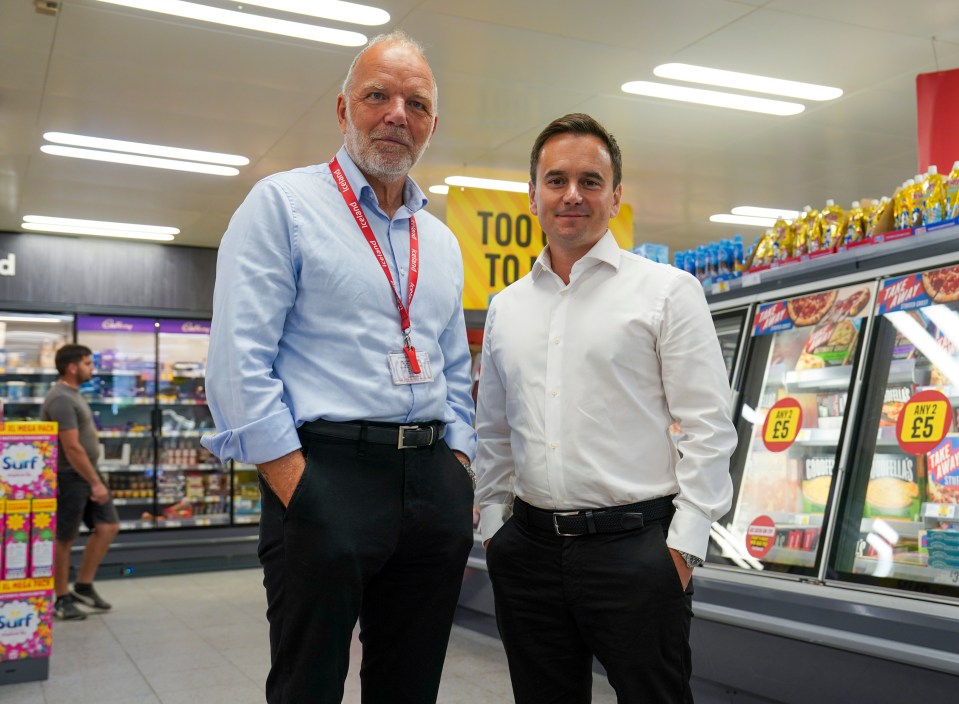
(43, 524)
(25, 625)
(16, 538)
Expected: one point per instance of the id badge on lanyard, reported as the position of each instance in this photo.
(408, 366)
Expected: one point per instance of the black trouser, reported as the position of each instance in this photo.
(617, 596)
(374, 533)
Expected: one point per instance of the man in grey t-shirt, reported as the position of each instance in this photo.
(81, 494)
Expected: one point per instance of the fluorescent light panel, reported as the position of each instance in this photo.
(488, 183)
(244, 20)
(137, 160)
(440, 190)
(29, 319)
(713, 98)
(97, 228)
(758, 212)
(742, 220)
(116, 145)
(349, 12)
(746, 81)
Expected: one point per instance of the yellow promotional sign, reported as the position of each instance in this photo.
(501, 239)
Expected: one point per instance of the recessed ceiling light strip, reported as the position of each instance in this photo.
(137, 160)
(713, 98)
(489, 183)
(350, 12)
(70, 230)
(742, 220)
(757, 212)
(746, 81)
(244, 20)
(100, 224)
(80, 140)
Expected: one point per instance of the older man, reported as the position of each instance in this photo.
(339, 366)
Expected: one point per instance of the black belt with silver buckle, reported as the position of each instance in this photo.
(402, 437)
(612, 519)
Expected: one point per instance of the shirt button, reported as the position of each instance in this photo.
(555, 340)
(563, 292)
(554, 392)
(552, 446)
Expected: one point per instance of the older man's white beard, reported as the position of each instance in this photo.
(373, 163)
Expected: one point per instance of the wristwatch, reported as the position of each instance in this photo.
(468, 466)
(691, 560)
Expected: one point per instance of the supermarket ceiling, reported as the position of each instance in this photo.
(504, 69)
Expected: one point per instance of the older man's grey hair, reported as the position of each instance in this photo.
(396, 38)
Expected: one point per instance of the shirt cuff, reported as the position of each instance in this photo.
(261, 441)
(460, 436)
(689, 532)
(492, 519)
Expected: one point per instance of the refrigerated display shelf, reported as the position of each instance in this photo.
(133, 502)
(30, 371)
(121, 372)
(25, 401)
(796, 520)
(184, 433)
(791, 556)
(190, 467)
(134, 525)
(247, 519)
(120, 400)
(183, 375)
(829, 378)
(211, 520)
(191, 499)
(183, 402)
(827, 437)
(907, 530)
(125, 467)
(125, 434)
(940, 511)
(899, 570)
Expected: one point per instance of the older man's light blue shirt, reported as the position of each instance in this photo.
(304, 318)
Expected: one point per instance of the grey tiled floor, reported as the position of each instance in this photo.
(203, 638)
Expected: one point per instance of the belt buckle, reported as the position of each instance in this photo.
(401, 436)
(556, 515)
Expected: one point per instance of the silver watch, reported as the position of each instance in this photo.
(691, 560)
(468, 466)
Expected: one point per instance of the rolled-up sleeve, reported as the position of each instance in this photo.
(256, 283)
(699, 399)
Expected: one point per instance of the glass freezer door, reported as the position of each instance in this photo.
(796, 384)
(193, 487)
(28, 345)
(900, 509)
(122, 396)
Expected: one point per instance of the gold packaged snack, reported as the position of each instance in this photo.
(855, 225)
(952, 193)
(881, 218)
(800, 232)
(833, 225)
(933, 198)
(814, 241)
(782, 240)
(901, 206)
(914, 202)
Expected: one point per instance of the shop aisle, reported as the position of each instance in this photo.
(203, 637)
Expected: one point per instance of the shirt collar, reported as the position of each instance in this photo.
(606, 250)
(413, 198)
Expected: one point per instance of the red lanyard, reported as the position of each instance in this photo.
(356, 209)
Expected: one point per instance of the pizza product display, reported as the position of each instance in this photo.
(809, 310)
(851, 304)
(942, 285)
(829, 345)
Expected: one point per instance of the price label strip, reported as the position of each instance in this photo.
(923, 422)
(782, 424)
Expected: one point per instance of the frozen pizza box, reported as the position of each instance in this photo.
(942, 474)
(893, 490)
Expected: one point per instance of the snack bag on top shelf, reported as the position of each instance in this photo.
(762, 252)
(881, 218)
(800, 231)
(900, 201)
(855, 230)
(782, 240)
(933, 198)
(814, 242)
(952, 193)
(833, 225)
(914, 202)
